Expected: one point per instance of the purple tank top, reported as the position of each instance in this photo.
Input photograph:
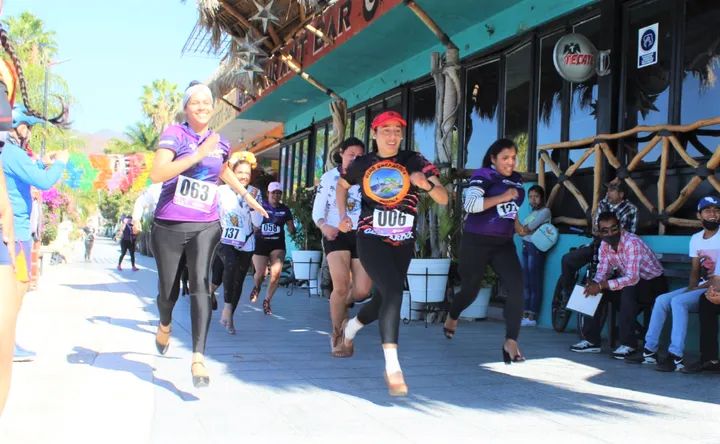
(183, 141)
(494, 221)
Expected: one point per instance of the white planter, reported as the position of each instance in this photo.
(314, 287)
(427, 279)
(406, 313)
(306, 264)
(479, 308)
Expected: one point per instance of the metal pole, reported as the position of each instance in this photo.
(45, 108)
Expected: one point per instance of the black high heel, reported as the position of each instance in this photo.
(449, 332)
(506, 356)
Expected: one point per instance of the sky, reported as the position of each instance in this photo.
(113, 48)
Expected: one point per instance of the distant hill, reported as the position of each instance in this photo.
(95, 142)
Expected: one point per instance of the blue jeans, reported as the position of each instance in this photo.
(681, 302)
(533, 262)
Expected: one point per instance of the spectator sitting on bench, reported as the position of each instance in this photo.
(709, 312)
(640, 278)
(615, 201)
(704, 248)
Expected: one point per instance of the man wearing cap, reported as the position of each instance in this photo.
(639, 279)
(614, 201)
(704, 249)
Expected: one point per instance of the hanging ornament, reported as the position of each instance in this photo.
(309, 5)
(265, 15)
(250, 68)
(248, 47)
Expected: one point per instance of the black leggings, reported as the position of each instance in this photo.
(196, 240)
(125, 246)
(217, 268)
(235, 264)
(387, 266)
(476, 252)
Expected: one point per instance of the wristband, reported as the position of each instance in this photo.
(432, 187)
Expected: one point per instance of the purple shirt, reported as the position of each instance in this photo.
(183, 141)
(491, 222)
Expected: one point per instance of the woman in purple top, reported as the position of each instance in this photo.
(189, 161)
(491, 202)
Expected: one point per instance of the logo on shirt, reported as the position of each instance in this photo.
(386, 182)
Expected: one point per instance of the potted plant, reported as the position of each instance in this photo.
(306, 262)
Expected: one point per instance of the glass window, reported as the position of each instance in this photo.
(394, 103)
(320, 152)
(701, 70)
(283, 169)
(481, 97)
(647, 89)
(359, 125)
(584, 96)
(518, 73)
(423, 121)
(549, 120)
(304, 166)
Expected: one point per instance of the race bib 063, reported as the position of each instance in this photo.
(392, 222)
(232, 236)
(507, 210)
(195, 194)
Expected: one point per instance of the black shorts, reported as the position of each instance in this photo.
(263, 247)
(343, 242)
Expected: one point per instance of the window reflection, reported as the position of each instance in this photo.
(320, 152)
(423, 109)
(359, 125)
(518, 72)
(303, 168)
(481, 98)
(701, 68)
(584, 96)
(549, 122)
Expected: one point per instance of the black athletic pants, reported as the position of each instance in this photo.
(127, 246)
(235, 267)
(387, 266)
(196, 240)
(709, 313)
(476, 252)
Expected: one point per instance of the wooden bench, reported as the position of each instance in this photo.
(676, 267)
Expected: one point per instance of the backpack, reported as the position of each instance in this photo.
(545, 237)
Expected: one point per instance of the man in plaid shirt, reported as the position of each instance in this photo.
(640, 279)
(615, 202)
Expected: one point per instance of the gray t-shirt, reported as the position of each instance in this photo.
(535, 219)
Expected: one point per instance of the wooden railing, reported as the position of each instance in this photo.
(666, 135)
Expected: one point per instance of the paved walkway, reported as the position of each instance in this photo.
(98, 378)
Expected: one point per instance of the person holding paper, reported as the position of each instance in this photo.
(704, 249)
(640, 274)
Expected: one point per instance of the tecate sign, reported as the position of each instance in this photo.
(575, 57)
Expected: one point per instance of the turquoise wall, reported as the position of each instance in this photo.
(511, 22)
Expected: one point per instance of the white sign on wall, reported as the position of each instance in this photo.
(647, 46)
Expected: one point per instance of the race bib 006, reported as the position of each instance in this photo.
(195, 194)
(232, 236)
(392, 222)
(507, 210)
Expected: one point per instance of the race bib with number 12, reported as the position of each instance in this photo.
(507, 210)
(195, 194)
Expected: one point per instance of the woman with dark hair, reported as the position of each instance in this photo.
(340, 247)
(237, 241)
(491, 201)
(189, 161)
(533, 259)
(390, 181)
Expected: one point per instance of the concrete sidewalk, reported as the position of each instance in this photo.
(98, 377)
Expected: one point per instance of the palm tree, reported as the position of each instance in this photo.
(160, 102)
(32, 42)
(143, 136)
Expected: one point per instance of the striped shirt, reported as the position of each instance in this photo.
(625, 211)
(634, 260)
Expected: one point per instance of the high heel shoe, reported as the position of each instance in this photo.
(508, 359)
(396, 388)
(345, 346)
(200, 375)
(449, 332)
(266, 307)
(162, 339)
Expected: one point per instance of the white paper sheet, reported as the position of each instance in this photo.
(579, 302)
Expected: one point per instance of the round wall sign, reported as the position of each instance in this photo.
(575, 57)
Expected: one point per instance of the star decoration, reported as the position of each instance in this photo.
(250, 67)
(265, 14)
(249, 48)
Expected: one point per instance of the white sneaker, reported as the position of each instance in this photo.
(622, 352)
(528, 322)
(585, 347)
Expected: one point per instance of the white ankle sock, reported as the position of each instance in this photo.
(392, 364)
(352, 327)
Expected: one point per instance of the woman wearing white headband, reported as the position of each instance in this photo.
(189, 161)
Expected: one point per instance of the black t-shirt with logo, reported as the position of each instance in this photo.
(273, 226)
(389, 200)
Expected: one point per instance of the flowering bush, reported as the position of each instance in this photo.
(54, 206)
